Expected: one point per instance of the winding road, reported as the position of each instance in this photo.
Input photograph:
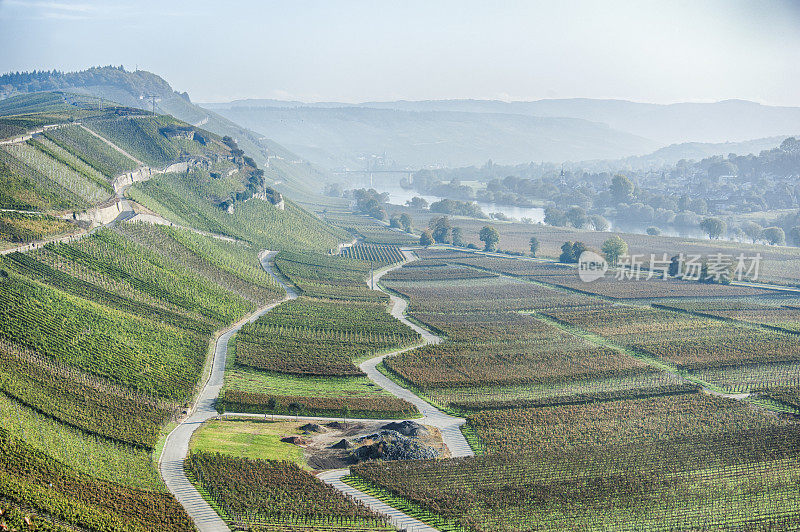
(176, 447)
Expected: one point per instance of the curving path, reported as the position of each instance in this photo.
(447, 424)
(396, 517)
(176, 447)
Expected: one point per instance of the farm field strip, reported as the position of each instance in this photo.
(774, 334)
(683, 461)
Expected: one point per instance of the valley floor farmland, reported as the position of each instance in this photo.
(630, 444)
(177, 446)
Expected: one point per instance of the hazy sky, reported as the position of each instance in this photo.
(659, 51)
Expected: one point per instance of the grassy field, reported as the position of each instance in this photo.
(250, 439)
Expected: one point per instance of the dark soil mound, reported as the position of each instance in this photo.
(406, 428)
(391, 445)
(296, 440)
(312, 427)
(336, 425)
(342, 444)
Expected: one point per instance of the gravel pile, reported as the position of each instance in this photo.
(392, 445)
(406, 428)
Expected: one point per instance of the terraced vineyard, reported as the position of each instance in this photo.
(369, 229)
(270, 493)
(88, 149)
(77, 183)
(45, 486)
(688, 342)
(187, 199)
(375, 254)
(19, 228)
(103, 339)
(301, 358)
(328, 277)
(496, 353)
(684, 483)
(139, 136)
(23, 187)
(312, 337)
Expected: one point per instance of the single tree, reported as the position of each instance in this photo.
(599, 222)
(406, 222)
(417, 203)
(621, 188)
(441, 230)
(458, 237)
(566, 253)
(534, 242)
(774, 235)
(555, 217)
(752, 230)
(714, 227)
(490, 237)
(794, 235)
(577, 250)
(394, 221)
(653, 231)
(614, 248)
(426, 238)
(577, 217)
(675, 266)
(571, 252)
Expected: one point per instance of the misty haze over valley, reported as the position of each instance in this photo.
(429, 266)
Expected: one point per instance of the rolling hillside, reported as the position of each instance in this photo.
(80, 164)
(105, 336)
(139, 89)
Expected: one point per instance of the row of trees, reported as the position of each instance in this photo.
(774, 235)
(440, 231)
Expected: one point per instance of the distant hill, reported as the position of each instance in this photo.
(342, 136)
(680, 123)
(694, 151)
(725, 121)
(138, 88)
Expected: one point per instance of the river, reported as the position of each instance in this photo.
(399, 196)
